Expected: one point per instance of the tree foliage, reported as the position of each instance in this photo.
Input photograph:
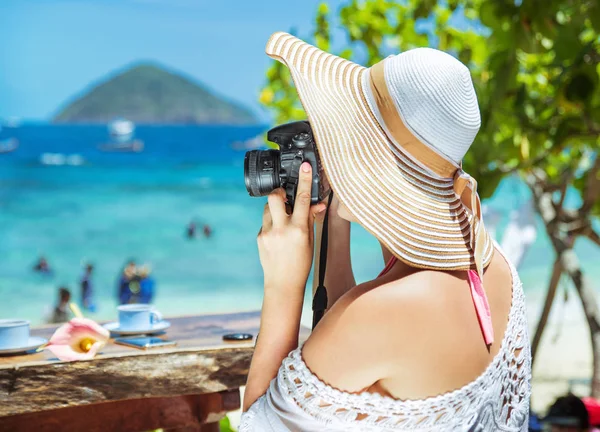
(535, 66)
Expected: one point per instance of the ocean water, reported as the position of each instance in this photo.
(63, 198)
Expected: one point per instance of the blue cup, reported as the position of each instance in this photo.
(14, 333)
(138, 317)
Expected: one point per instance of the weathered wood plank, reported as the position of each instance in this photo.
(198, 413)
(59, 385)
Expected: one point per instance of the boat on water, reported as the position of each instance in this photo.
(121, 133)
(9, 145)
(134, 146)
(121, 129)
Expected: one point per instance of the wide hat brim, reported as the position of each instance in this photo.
(414, 213)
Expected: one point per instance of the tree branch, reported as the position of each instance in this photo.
(592, 187)
(570, 216)
(566, 179)
(571, 266)
(557, 271)
(536, 181)
(593, 236)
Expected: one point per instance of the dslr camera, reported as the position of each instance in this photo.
(266, 170)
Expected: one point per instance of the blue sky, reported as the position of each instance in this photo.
(53, 49)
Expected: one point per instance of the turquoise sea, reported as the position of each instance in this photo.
(62, 198)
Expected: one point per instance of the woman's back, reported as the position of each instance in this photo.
(431, 334)
(439, 380)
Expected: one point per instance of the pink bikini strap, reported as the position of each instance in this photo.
(388, 266)
(482, 307)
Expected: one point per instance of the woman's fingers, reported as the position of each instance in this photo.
(276, 203)
(302, 203)
(317, 212)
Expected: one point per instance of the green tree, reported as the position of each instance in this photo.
(536, 70)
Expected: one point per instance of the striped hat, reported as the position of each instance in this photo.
(391, 139)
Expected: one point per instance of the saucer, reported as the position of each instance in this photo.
(34, 342)
(160, 326)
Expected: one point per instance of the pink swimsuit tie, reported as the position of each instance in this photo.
(482, 307)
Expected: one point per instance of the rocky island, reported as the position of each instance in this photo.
(150, 93)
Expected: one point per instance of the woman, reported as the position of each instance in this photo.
(424, 346)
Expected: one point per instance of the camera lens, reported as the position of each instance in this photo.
(261, 172)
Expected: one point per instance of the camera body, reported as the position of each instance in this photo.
(266, 170)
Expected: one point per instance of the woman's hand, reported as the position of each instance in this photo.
(285, 246)
(285, 242)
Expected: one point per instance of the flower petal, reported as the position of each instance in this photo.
(62, 335)
(77, 329)
(66, 353)
(95, 349)
(102, 333)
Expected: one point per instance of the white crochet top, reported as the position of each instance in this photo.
(498, 400)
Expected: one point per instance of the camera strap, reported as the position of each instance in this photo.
(319, 304)
(292, 182)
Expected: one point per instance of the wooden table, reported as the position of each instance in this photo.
(189, 387)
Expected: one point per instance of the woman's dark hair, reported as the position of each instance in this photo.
(64, 294)
(568, 411)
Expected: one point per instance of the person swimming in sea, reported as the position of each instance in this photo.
(60, 314)
(136, 284)
(42, 266)
(87, 298)
(207, 230)
(147, 285)
(191, 230)
(123, 286)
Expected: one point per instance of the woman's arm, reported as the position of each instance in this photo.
(339, 277)
(278, 335)
(285, 246)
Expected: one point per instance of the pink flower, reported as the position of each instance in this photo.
(79, 339)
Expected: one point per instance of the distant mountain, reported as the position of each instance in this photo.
(148, 93)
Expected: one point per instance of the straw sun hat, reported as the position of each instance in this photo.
(391, 139)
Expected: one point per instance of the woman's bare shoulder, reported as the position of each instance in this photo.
(416, 336)
(368, 332)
